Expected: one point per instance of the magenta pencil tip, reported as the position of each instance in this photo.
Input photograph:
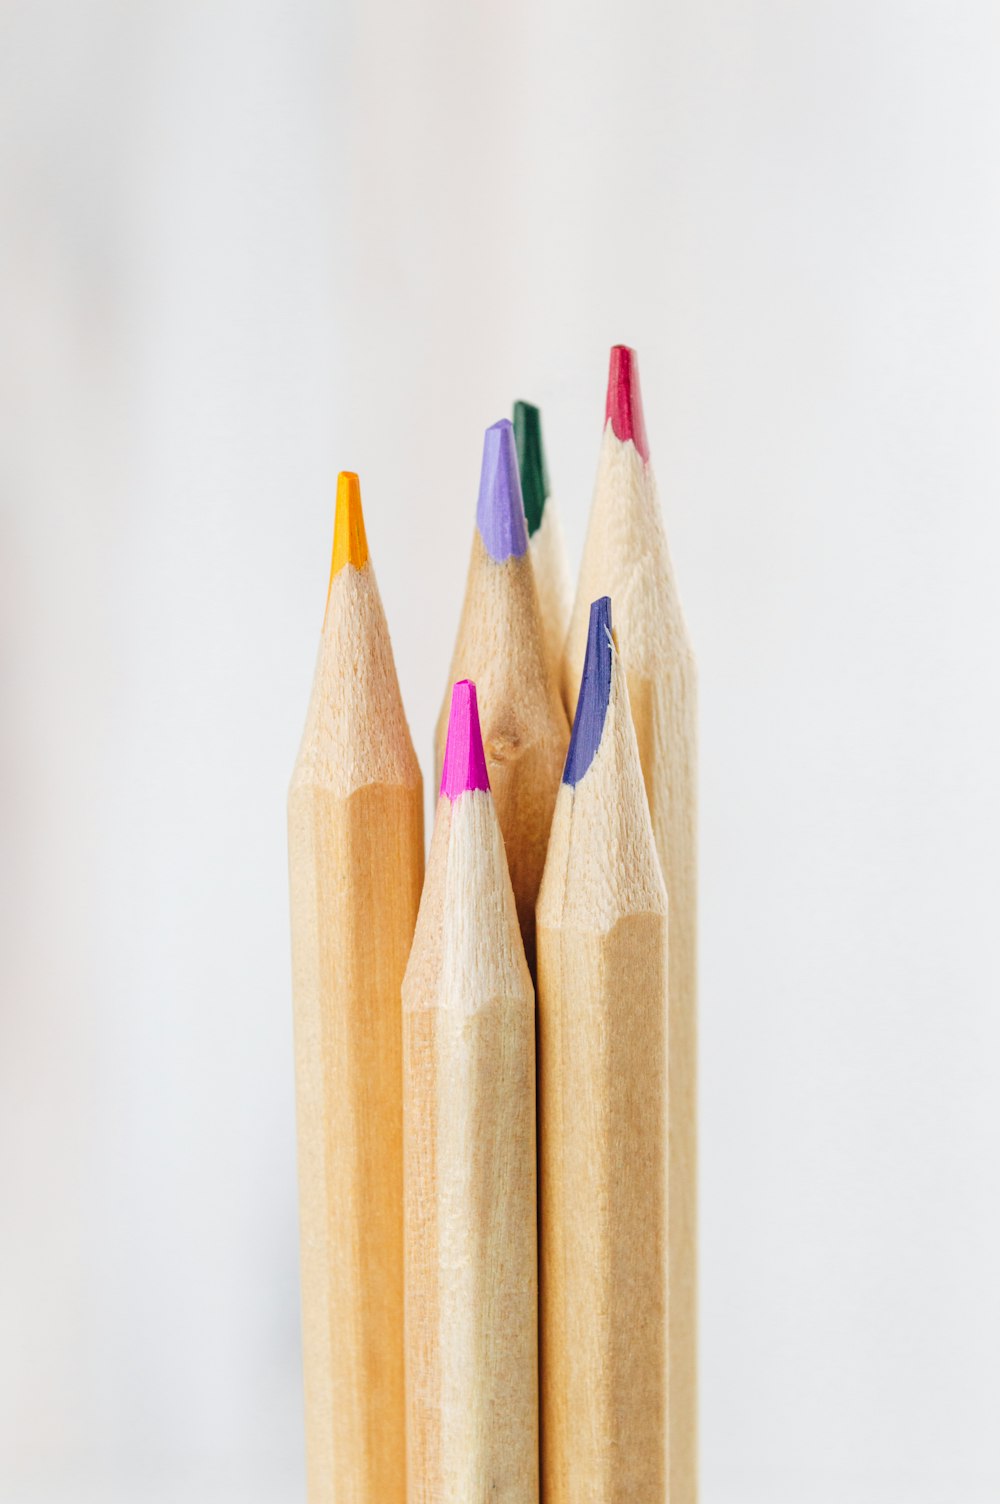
(623, 407)
(464, 759)
(500, 513)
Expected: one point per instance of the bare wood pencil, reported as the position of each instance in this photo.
(626, 557)
(501, 647)
(355, 827)
(602, 1083)
(545, 537)
(469, 1113)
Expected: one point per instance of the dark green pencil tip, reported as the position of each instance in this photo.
(531, 462)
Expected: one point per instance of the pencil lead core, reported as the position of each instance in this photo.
(500, 512)
(350, 546)
(623, 406)
(595, 691)
(531, 463)
(464, 759)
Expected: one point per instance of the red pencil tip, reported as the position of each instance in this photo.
(624, 401)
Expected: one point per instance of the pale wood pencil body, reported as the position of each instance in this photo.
(525, 731)
(626, 557)
(552, 580)
(602, 1010)
(356, 862)
(604, 1357)
(471, 1251)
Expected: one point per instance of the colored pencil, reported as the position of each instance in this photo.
(602, 1089)
(545, 538)
(626, 557)
(500, 646)
(469, 1115)
(355, 829)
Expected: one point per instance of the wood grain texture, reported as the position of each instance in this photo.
(355, 823)
(525, 731)
(602, 1082)
(552, 580)
(471, 1250)
(626, 556)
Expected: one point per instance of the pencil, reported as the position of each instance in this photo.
(545, 538)
(602, 1067)
(626, 556)
(500, 646)
(355, 835)
(469, 1116)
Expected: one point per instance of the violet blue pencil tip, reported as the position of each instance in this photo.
(595, 692)
(464, 759)
(500, 512)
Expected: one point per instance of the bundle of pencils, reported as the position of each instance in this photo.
(487, 1317)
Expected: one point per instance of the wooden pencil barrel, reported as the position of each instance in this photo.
(470, 1216)
(665, 716)
(470, 1177)
(627, 557)
(603, 1206)
(356, 867)
(356, 860)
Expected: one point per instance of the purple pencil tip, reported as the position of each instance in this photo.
(464, 760)
(500, 513)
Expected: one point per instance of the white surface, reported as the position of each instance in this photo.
(247, 245)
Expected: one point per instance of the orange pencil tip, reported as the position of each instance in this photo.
(350, 546)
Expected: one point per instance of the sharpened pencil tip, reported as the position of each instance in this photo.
(595, 692)
(500, 512)
(350, 546)
(623, 407)
(464, 759)
(531, 463)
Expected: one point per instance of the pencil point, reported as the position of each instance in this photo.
(500, 513)
(595, 691)
(531, 462)
(464, 759)
(624, 401)
(350, 546)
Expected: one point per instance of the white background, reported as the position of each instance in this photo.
(248, 244)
